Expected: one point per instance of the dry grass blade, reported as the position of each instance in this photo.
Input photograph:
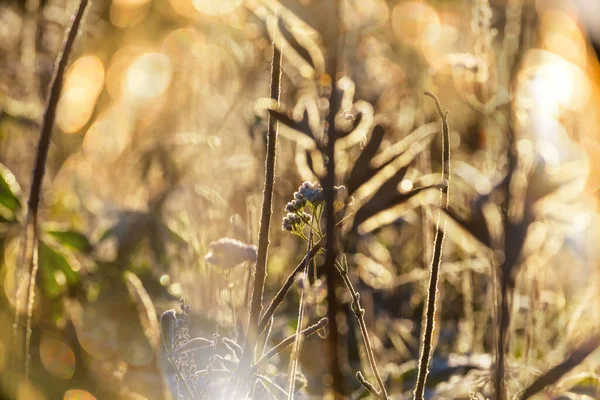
(285, 343)
(144, 307)
(362, 167)
(554, 374)
(302, 126)
(191, 345)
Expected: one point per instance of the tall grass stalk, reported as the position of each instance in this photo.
(29, 258)
(426, 346)
(260, 273)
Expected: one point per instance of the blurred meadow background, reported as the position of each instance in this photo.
(158, 151)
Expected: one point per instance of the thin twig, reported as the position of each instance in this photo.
(285, 343)
(368, 385)
(269, 385)
(232, 345)
(286, 286)
(298, 341)
(359, 312)
(426, 347)
(263, 239)
(276, 302)
(31, 223)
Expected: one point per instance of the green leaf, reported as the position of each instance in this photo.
(55, 262)
(9, 191)
(72, 239)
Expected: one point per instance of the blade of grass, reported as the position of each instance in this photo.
(554, 374)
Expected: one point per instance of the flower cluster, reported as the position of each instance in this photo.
(294, 222)
(312, 192)
(296, 205)
(228, 253)
(309, 196)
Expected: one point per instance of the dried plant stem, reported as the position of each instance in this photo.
(260, 273)
(285, 343)
(268, 314)
(426, 346)
(30, 242)
(360, 316)
(265, 340)
(298, 341)
(289, 282)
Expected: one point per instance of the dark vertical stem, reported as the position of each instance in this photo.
(50, 112)
(260, 273)
(505, 271)
(328, 183)
(426, 347)
(330, 255)
(501, 342)
(39, 169)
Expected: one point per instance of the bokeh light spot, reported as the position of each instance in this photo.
(126, 13)
(83, 85)
(108, 136)
(77, 394)
(149, 75)
(58, 358)
(180, 43)
(416, 23)
(216, 7)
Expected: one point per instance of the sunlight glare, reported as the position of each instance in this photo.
(416, 23)
(82, 87)
(126, 13)
(77, 394)
(108, 136)
(216, 7)
(57, 357)
(149, 76)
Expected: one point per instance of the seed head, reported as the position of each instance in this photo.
(295, 205)
(228, 253)
(312, 192)
(294, 222)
